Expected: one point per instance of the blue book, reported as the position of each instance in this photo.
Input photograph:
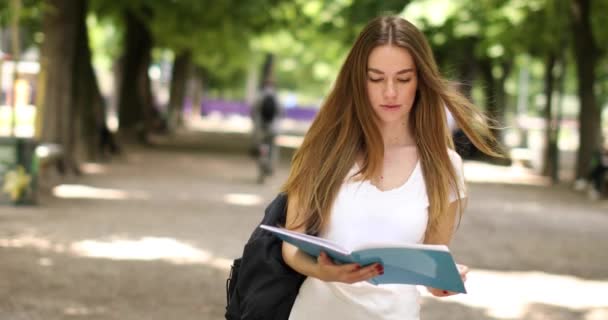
(415, 264)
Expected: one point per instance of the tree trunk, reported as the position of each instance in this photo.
(521, 108)
(561, 81)
(467, 71)
(87, 97)
(550, 151)
(267, 70)
(57, 56)
(501, 94)
(585, 52)
(179, 78)
(491, 102)
(134, 101)
(495, 95)
(197, 89)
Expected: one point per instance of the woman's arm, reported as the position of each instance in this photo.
(445, 227)
(322, 268)
(445, 231)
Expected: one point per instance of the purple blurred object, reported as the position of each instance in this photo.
(300, 113)
(241, 108)
(225, 107)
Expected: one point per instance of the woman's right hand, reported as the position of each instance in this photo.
(327, 270)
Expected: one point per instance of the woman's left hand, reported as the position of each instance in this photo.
(463, 270)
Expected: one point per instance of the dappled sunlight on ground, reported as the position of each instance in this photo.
(480, 172)
(243, 199)
(524, 206)
(509, 295)
(84, 311)
(168, 256)
(45, 262)
(28, 240)
(117, 248)
(77, 191)
(93, 168)
(501, 294)
(149, 248)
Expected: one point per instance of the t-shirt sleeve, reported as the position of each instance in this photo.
(459, 171)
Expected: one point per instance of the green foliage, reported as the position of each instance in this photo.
(545, 28)
(104, 40)
(599, 21)
(311, 37)
(459, 26)
(315, 38)
(30, 15)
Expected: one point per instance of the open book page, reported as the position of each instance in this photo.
(419, 246)
(430, 266)
(415, 264)
(311, 244)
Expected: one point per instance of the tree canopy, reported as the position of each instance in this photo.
(483, 44)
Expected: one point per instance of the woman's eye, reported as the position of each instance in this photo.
(375, 80)
(404, 80)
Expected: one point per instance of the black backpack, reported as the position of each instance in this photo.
(261, 285)
(268, 108)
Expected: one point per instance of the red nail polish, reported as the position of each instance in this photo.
(445, 292)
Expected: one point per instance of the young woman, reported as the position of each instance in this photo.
(377, 165)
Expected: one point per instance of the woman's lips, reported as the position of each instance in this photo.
(390, 106)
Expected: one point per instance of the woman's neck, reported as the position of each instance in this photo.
(396, 134)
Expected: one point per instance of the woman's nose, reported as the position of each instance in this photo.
(390, 91)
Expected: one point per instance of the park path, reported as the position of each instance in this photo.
(151, 234)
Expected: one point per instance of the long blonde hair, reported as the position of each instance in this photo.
(344, 129)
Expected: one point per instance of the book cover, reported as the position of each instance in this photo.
(415, 264)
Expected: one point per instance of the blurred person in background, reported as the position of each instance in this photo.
(595, 181)
(265, 115)
(378, 166)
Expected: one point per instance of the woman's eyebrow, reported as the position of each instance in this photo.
(398, 72)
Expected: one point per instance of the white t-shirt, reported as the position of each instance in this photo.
(364, 214)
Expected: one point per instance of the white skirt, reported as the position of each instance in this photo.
(332, 300)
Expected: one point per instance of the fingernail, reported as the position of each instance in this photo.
(445, 292)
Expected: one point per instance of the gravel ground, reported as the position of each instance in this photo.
(151, 235)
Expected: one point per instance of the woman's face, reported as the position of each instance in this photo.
(391, 82)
